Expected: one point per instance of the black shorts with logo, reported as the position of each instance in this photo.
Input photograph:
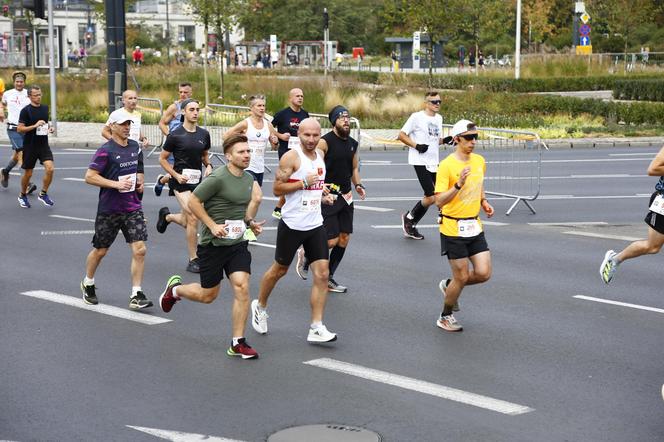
(107, 226)
(338, 217)
(32, 154)
(655, 220)
(215, 260)
(427, 179)
(288, 241)
(458, 247)
(175, 186)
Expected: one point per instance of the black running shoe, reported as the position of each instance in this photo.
(161, 221)
(4, 177)
(409, 229)
(139, 301)
(158, 187)
(194, 266)
(31, 188)
(89, 295)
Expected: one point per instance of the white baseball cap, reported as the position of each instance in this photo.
(459, 128)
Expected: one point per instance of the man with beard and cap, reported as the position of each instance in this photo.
(342, 175)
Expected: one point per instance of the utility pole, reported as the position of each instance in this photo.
(115, 50)
(51, 69)
(326, 37)
(168, 35)
(517, 51)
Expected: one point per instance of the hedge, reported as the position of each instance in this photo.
(646, 89)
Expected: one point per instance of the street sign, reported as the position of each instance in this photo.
(585, 41)
(585, 18)
(584, 30)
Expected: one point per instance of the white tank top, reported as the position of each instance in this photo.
(258, 140)
(302, 208)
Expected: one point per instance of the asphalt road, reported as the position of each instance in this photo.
(534, 362)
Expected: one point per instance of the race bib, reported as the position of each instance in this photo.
(348, 197)
(257, 148)
(294, 142)
(42, 130)
(310, 200)
(132, 178)
(193, 176)
(657, 205)
(235, 228)
(467, 228)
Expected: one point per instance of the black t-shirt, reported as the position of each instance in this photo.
(339, 160)
(30, 115)
(187, 147)
(288, 121)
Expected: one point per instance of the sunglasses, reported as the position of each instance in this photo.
(435, 101)
(469, 137)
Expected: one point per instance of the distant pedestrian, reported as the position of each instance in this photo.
(655, 220)
(128, 110)
(137, 56)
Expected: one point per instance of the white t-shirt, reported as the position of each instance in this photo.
(423, 129)
(135, 117)
(15, 101)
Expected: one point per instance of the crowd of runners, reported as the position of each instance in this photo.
(316, 180)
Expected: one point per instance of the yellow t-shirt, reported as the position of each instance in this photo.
(466, 203)
(2, 87)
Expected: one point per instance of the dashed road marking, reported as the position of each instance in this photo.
(620, 304)
(602, 235)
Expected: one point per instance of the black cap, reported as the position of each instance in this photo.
(336, 112)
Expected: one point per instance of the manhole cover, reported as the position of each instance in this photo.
(325, 433)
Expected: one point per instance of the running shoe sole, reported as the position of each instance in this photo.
(315, 339)
(140, 307)
(230, 352)
(440, 324)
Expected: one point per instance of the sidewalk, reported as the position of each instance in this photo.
(88, 135)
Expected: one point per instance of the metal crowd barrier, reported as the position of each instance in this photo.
(514, 164)
(151, 110)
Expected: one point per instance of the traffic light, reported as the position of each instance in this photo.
(36, 6)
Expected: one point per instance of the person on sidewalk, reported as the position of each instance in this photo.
(189, 144)
(422, 134)
(14, 100)
(117, 169)
(301, 179)
(260, 135)
(287, 121)
(226, 203)
(127, 111)
(342, 169)
(459, 192)
(33, 123)
(655, 220)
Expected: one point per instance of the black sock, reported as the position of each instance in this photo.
(447, 310)
(418, 212)
(11, 165)
(336, 255)
(277, 209)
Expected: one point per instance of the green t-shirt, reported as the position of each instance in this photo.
(225, 197)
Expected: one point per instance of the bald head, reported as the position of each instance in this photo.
(309, 133)
(130, 99)
(296, 99)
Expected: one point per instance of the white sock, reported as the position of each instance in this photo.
(175, 295)
(236, 340)
(409, 216)
(88, 281)
(135, 289)
(316, 325)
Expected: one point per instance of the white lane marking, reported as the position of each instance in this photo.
(407, 383)
(74, 149)
(74, 179)
(373, 209)
(584, 197)
(432, 226)
(375, 162)
(572, 223)
(67, 232)
(620, 304)
(261, 244)
(179, 436)
(72, 218)
(630, 154)
(616, 175)
(147, 166)
(603, 236)
(99, 308)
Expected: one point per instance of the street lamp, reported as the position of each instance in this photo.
(517, 51)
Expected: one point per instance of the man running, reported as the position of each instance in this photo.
(127, 111)
(422, 134)
(342, 173)
(300, 178)
(117, 169)
(14, 100)
(226, 203)
(260, 134)
(171, 120)
(654, 219)
(33, 123)
(189, 145)
(460, 194)
(287, 121)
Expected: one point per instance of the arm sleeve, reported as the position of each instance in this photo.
(206, 189)
(168, 144)
(276, 120)
(442, 178)
(408, 126)
(141, 167)
(208, 141)
(24, 116)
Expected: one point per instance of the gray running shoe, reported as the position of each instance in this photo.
(608, 268)
(194, 266)
(89, 295)
(332, 286)
(4, 177)
(139, 301)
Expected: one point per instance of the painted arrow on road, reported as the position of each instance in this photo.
(179, 436)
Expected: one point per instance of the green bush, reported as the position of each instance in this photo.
(646, 90)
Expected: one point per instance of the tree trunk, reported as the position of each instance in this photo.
(430, 57)
(205, 61)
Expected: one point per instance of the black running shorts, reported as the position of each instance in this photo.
(427, 179)
(175, 186)
(655, 220)
(457, 247)
(338, 217)
(215, 260)
(289, 240)
(31, 155)
(107, 226)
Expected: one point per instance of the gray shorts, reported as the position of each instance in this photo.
(107, 226)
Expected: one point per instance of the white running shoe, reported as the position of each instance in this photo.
(301, 271)
(608, 268)
(449, 323)
(258, 318)
(321, 334)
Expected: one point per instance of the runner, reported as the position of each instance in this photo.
(260, 135)
(342, 174)
(226, 203)
(117, 169)
(189, 145)
(287, 121)
(128, 111)
(171, 120)
(33, 123)
(422, 134)
(460, 194)
(14, 100)
(300, 178)
(655, 220)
